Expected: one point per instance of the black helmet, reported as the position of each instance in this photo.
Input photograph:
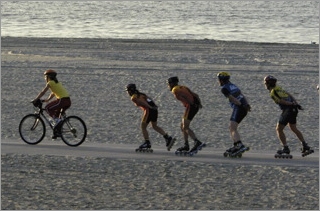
(270, 81)
(131, 87)
(223, 76)
(50, 73)
(173, 80)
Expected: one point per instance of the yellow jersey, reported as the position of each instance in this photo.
(277, 93)
(58, 90)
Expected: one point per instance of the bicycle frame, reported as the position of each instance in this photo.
(71, 129)
(40, 113)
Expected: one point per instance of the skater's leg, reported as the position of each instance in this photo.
(184, 133)
(169, 139)
(294, 129)
(233, 127)
(187, 130)
(280, 134)
(144, 130)
(157, 128)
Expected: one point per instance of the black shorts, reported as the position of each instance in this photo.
(238, 114)
(190, 112)
(288, 115)
(150, 115)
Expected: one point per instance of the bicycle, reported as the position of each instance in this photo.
(71, 129)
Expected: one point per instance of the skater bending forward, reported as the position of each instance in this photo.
(150, 114)
(289, 107)
(240, 106)
(192, 104)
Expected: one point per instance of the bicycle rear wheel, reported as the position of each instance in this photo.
(73, 131)
(32, 129)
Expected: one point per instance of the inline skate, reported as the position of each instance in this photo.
(170, 142)
(283, 153)
(183, 150)
(197, 146)
(236, 151)
(306, 150)
(145, 147)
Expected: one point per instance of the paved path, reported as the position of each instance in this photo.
(119, 151)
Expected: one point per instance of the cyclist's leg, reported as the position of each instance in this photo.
(65, 103)
(52, 108)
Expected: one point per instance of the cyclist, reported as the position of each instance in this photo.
(62, 98)
(150, 114)
(192, 104)
(289, 107)
(240, 106)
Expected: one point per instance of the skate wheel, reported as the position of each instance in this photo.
(276, 156)
(190, 154)
(239, 156)
(225, 154)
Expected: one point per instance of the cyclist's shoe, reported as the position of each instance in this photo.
(56, 135)
(57, 126)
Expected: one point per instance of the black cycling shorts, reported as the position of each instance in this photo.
(238, 114)
(288, 115)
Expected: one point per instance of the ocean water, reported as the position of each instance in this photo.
(254, 21)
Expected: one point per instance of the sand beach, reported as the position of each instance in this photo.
(96, 71)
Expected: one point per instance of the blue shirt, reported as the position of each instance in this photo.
(231, 89)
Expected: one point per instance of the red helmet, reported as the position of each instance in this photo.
(50, 72)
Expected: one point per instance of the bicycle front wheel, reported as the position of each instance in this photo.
(32, 129)
(73, 131)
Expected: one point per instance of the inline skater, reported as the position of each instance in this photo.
(240, 106)
(192, 104)
(289, 107)
(150, 114)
